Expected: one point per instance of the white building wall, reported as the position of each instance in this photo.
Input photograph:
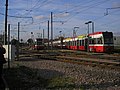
(116, 41)
(12, 51)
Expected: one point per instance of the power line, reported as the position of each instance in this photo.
(110, 9)
(36, 5)
(15, 16)
(18, 16)
(105, 15)
(77, 7)
(91, 6)
(32, 8)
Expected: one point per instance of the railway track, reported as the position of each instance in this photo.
(93, 59)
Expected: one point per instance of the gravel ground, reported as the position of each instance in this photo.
(91, 78)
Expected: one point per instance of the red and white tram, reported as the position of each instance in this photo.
(38, 45)
(101, 42)
(95, 42)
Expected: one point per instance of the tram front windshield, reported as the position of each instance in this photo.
(108, 37)
(38, 42)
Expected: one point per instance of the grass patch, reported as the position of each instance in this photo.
(61, 82)
(24, 78)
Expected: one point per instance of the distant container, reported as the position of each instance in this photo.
(12, 51)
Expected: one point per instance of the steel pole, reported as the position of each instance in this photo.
(6, 13)
(9, 46)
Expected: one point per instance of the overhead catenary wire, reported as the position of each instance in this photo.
(32, 8)
(93, 5)
(88, 7)
(109, 14)
(43, 2)
(74, 10)
(77, 7)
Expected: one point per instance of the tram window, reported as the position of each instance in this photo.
(82, 42)
(91, 41)
(38, 43)
(108, 37)
(95, 41)
(99, 41)
(78, 43)
(108, 40)
(75, 43)
(72, 43)
(65, 43)
(68, 43)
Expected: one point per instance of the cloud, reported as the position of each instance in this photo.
(39, 17)
(116, 4)
(67, 14)
(62, 14)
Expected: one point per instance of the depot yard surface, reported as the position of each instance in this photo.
(31, 73)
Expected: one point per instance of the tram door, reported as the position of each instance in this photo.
(78, 44)
(86, 44)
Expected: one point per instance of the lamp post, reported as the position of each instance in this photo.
(74, 31)
(60, 39)
(92, 25)
(60, 33)
(74, 35)
(88, 32)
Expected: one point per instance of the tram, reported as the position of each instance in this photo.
(94, 42)
(38, 45)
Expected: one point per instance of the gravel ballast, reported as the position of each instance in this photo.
(85, 76)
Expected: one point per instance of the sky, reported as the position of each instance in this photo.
(33, 16)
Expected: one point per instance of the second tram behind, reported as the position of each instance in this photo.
(38, 45)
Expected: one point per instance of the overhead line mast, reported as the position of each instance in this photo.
(6, 13)
(51, 30)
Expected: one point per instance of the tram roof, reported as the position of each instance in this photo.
(81, 36)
